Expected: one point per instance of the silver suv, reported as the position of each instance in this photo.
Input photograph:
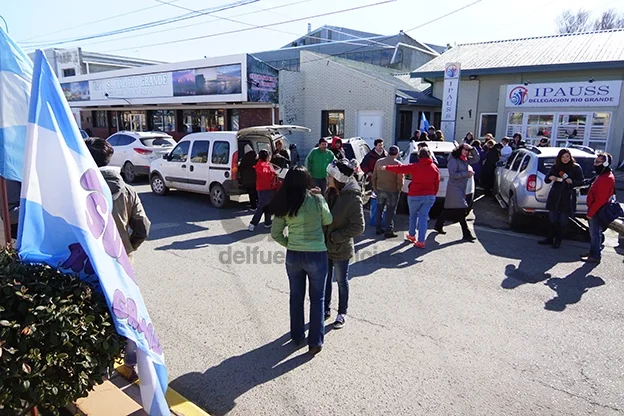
(519, 185)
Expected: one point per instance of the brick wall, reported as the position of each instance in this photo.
(332, 86)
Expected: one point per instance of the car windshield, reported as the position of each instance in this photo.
(586, 163)
(348, 151)
(158, 141)
(441, 157)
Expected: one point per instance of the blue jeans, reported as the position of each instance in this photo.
(595, 232)
(339, 269)
(387, 200)
(264, 198)
(419, 207)
(302, 266)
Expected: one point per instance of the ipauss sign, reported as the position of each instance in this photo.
(565, 94)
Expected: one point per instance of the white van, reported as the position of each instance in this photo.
(207, 162)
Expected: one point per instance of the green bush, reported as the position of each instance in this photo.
(57, 338)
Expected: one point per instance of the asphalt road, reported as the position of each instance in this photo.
(501, 326)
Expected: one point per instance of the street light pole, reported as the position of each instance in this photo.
(5, 23)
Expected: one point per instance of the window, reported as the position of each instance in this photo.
(203, 120)
(99, 120)
(199, 154)
(386, 56)
(368, 57)
(158, 141)
(525, 163)
(164, 120)
(405, 125)
(516, 164)
(221, 153)
(376, 57)
(488, 124)
(563, 129)
(112, 140)
(510, 161)
(332, 123)
(180, 153)
(69, 72)
(121, 140)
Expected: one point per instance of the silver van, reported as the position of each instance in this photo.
(519, 185)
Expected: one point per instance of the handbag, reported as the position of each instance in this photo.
(609, 212)
(373, 213)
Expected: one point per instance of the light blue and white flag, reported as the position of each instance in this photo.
(424, 124)
(16, 70)
(66, 222)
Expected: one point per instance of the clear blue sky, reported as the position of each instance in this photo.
(35, 22)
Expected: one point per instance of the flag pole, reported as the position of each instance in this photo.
(6, 218)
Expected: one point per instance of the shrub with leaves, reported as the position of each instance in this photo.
(57, 338)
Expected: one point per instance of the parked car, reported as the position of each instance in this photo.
(519, 185)
(442, 151)
(207, 162)
(136, 150)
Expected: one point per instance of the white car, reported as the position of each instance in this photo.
(207, 162)
(441, 151)
(136, 150)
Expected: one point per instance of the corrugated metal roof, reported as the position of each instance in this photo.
(565, 52)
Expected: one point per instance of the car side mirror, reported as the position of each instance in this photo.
(166, 156)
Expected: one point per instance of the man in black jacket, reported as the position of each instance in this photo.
(281, 157)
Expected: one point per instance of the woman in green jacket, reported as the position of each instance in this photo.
(304, 213)
(344, 198)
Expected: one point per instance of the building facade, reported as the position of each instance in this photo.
(399, 52)
(216, 94)
(567, 88)
(339, 97)
(72, 62)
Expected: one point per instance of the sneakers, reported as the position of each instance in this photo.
(327, 314)
(419, 244)
(590, 259)
(268, 225)
(410, 238)
(439, 230)
(315, 349)
(391, 234)
(340, 321)
(468, 237)
(251, 227)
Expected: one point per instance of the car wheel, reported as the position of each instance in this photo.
(158, 185)
(129, 172)
(218, 197)
(513, 217)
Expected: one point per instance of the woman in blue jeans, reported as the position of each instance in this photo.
(421, 196)
(304, 213)
(344, 197)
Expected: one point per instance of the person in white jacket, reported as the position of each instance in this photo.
(506, 150)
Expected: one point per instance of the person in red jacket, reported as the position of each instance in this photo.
(265, 186)
(421, 194)
(598, 196)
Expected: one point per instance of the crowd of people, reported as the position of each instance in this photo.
(316, 212)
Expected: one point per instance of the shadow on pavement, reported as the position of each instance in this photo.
(217, 388)
(571, 288)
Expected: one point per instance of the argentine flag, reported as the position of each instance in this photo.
(424, 124)
(16, 70)
(66, 222)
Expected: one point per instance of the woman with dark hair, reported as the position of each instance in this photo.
(488, 171)
(248, 175)
(337, 148)
(305, 214)
(439, 136)
(344, 198)
(469, 138)
(460, 172)
(265, 186)
(564, 175)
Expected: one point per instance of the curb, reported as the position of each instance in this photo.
(178, 404)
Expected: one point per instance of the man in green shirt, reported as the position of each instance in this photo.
(317, 161)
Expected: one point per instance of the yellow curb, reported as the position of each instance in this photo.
(177, 403)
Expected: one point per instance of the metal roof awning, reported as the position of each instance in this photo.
(407, 97)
